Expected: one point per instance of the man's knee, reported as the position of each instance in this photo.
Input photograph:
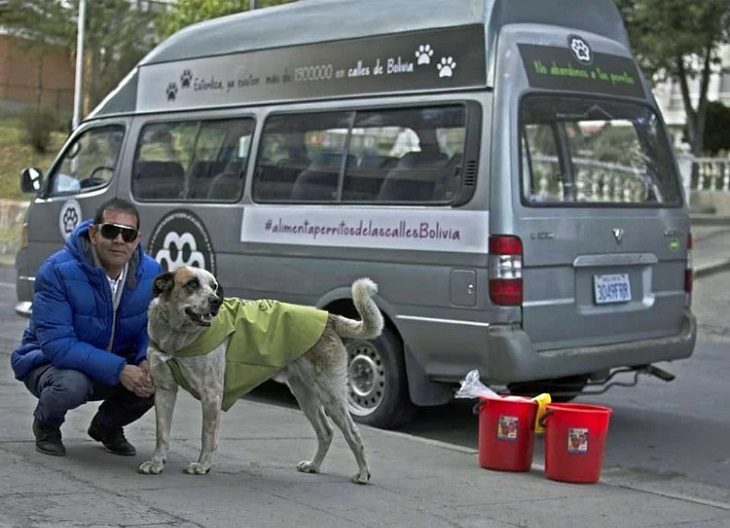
(72, 386)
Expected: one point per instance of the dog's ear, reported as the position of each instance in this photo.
(163, 283)
(219, 291)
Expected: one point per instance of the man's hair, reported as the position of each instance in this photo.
(115, 204)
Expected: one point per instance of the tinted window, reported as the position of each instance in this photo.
(192, 160)
(576, 150)
(409, 155)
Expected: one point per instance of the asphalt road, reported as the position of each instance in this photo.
(671, 437)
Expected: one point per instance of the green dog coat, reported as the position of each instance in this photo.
(265, 337)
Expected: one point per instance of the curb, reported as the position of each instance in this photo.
(708, 219)
(711, 268)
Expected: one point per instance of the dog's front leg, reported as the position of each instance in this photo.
(209, 441)
(164, 405)
(209, 383)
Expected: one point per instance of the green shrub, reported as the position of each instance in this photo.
(38, 122)
(717, 128)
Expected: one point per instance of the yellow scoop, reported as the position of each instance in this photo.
(542, 401)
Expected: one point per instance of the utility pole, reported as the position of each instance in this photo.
(79, 64)
(253, 4)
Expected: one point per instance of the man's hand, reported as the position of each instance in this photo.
(137, 380)
(145, 365)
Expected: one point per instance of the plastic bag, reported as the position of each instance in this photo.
(472, 387)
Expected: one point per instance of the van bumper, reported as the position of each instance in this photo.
(511, 356)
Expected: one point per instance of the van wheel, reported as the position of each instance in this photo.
(554, 387)
(377, 388)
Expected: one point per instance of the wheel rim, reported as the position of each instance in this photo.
(365, 378)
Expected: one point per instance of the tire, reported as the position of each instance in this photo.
(554, 387)
(377, 386)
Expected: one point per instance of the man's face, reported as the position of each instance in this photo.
(115, 252)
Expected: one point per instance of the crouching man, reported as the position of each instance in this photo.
(87, 336)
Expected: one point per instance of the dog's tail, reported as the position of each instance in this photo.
(371, 320)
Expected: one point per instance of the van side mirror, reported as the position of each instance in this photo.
(30, 180)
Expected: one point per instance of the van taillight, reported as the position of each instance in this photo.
(505, 270)
(688, 275)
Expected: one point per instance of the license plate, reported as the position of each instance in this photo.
(614, 288)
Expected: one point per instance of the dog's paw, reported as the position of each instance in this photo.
(305, 466)
(152, 467)
(197, 468)
(360, 478)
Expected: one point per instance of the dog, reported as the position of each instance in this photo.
(187, 307)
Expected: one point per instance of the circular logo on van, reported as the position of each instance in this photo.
(180, 239)
(580, 49)
(69, 217)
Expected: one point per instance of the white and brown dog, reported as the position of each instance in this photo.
(188, 306)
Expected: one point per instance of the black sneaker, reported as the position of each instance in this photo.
(48, 439)
(112, 438)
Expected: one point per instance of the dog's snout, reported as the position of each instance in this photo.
(215, 303)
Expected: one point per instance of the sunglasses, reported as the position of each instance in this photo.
(111, 231)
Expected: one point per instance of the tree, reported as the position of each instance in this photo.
(118, 34)
(679, 40)
(185, 12)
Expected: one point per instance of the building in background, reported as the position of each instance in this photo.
(19, 79)
(19, 76)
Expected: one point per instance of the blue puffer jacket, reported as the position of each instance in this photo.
(72, 318)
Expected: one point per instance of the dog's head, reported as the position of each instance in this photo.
(188, 294)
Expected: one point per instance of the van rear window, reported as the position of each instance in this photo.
(586, 151)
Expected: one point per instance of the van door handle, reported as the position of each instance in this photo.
(615, 259)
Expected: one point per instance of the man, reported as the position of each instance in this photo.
(87, 336)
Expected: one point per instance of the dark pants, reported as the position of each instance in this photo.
(60, 390)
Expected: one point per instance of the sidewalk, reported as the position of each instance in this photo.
(416, 483)
(711, 244)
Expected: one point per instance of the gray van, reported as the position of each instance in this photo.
(499, 167)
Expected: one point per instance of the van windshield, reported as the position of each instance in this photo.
(590, 151)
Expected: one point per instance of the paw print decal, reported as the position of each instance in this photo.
(171, 91)
(581, 50)
(70, 220)
(424, 54)
(69, 217)
(185, 79)
(446, 67)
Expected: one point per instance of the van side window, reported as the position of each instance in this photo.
(89, 162)
(301, 157)
(192, 160)
(398, 156)
(577, 150)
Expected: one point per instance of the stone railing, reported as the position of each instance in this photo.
(12, 213)
(706, 183)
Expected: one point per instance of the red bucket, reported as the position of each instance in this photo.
(575, 439)
(506, 434)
